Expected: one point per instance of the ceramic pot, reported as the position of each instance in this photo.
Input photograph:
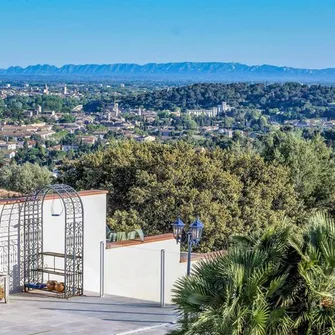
(59, 287)
(51, 284)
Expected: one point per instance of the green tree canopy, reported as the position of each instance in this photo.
(231, 192)
(311, 166)
(24, 178)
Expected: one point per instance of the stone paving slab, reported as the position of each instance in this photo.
(30, 314)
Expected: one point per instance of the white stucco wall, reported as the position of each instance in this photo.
(94, 232)
(134, 271)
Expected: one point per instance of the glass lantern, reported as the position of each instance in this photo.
(196, 229)
(178, 228)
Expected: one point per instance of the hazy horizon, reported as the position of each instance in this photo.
(143, 64)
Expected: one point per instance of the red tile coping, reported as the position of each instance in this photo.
(51, 196)
(147, 239)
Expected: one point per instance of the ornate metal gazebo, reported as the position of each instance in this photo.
(34, 269)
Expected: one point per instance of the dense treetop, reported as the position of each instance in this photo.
(24, 178)
(208, 95)
(289, 97)
(150, 184)
(13, 106)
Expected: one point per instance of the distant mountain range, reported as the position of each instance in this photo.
(191, 71)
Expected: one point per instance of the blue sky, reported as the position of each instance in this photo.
(298, 33)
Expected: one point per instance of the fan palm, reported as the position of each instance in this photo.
(315, 312)
(277, 282)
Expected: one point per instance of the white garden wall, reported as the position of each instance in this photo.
(133, 269)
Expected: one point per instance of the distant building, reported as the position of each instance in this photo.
(226, 132)
(302, 124)
(78, 108)
(90, 140)
(9, 154)
(100, 134)
(223, 108)
(67, 148)
(55, 148)
(205, 112)
(112, 111)
(25, 131)
(71, 127)
(28, 113)
(65, 90)
(31, 143)
(209, 129)
(8, 146)
(127, 125)
(46, 134)
(38, 109)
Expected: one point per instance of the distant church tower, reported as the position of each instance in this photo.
(46, 89)
(65, 90)
(116, 109)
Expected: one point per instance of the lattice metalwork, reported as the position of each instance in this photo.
(11, 246)
(73, 239)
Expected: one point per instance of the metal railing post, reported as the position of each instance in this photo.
(102, 268)
(189, 253)
(162, 286)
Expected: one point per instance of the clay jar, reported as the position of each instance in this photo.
(51, 285)
(59, 287)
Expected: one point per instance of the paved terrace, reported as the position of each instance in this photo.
(34, 314)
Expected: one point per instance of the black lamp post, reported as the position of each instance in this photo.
(194, 234)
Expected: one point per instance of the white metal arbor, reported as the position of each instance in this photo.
(73, 239)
